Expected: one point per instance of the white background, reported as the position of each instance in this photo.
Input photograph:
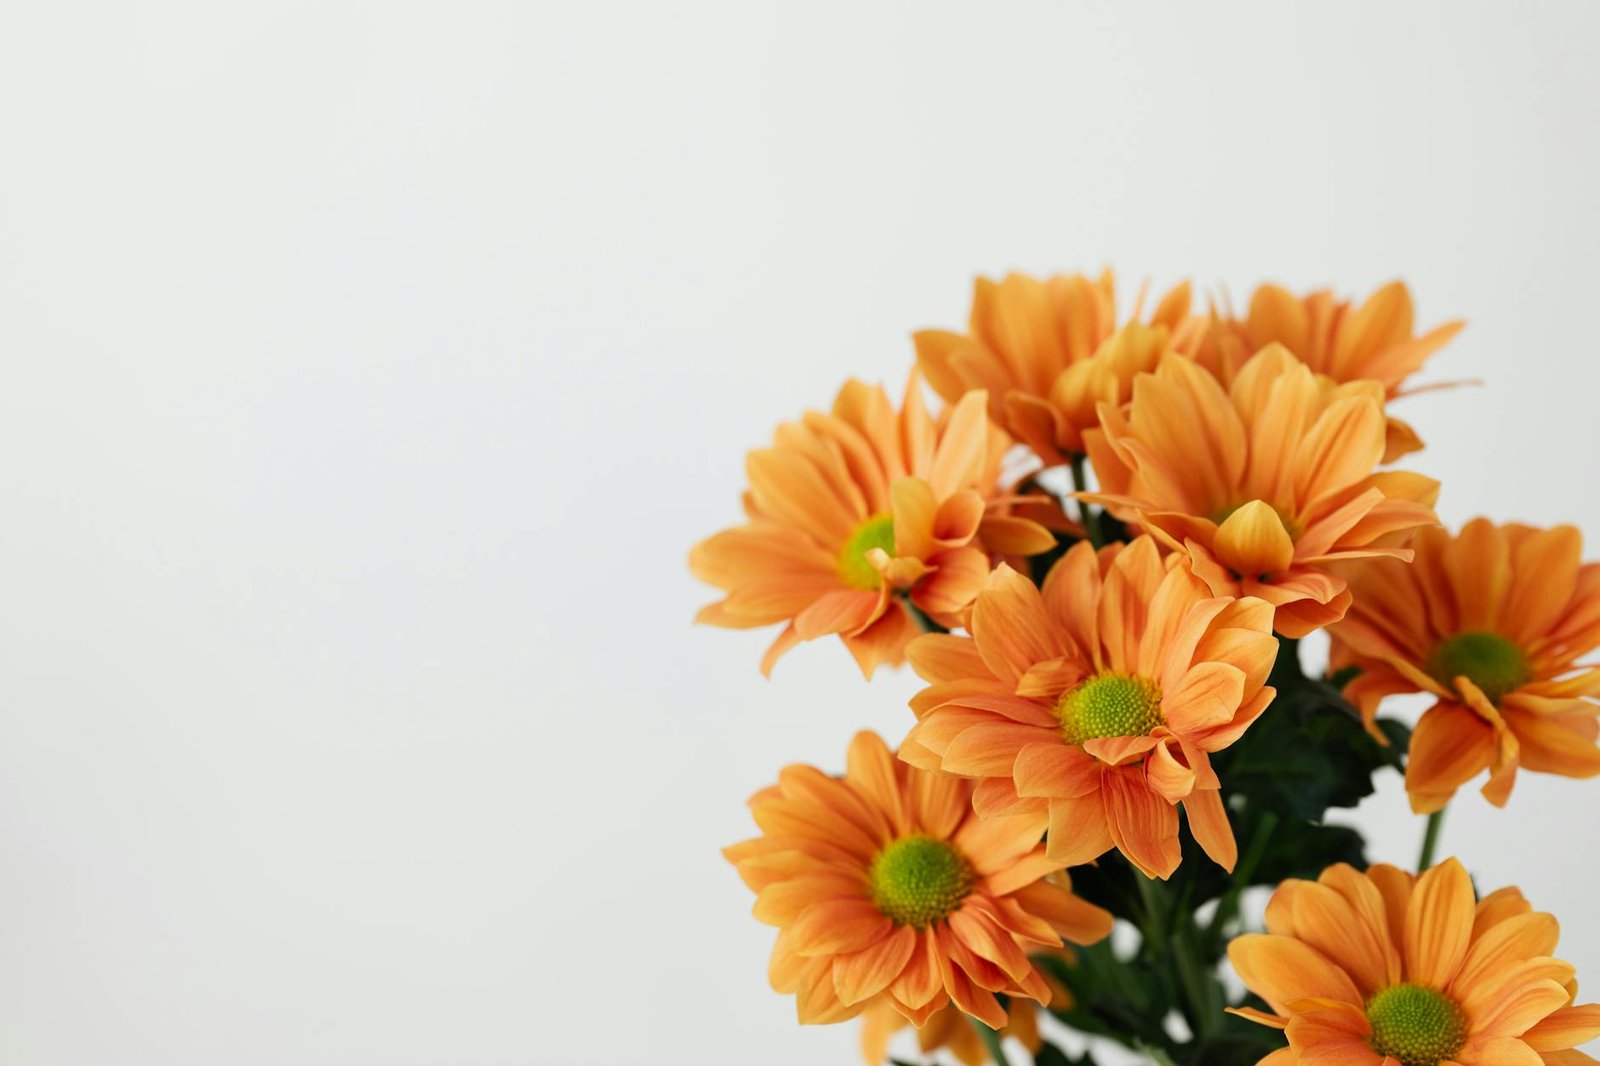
(370, 368)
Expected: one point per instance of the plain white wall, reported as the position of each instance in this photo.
(369, 369)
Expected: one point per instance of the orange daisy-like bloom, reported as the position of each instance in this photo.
(1098, 698)
(855, 512)
(1336, 338)
(1048, 352)
(885, 884)
(1491, 623)
(1263, 484)
(1388, 969)
(948, 1029)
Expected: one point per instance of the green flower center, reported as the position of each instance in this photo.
(1416, 1026)
(1488, 660)
(919, 880)
(1110, 705)
(854, 566)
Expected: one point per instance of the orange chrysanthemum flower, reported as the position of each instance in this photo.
(1262, 484)
(1335, 338)
(948, 1029)
(1097, 699)
(856, 512)
(1491, 623)
(1048, 352)
(885, 883)
(1388, 969)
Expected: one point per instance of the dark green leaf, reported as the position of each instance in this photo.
(1307, 753)
(1050, 1055)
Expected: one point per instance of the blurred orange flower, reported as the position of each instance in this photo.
(948, 1029)
(856, 512)
(1097, 699)
(1336, 338)
(1262, 485)
(1491, 623)
(1048, 352)
(885, 883)
(1387, 969)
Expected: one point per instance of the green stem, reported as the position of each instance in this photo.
(1157, 1055)
(1198, 988)
(991, 1042)
(1242, 873)
(1154, 925)
(1286, 670)
(1091, 518)
(1430, 840)
(924, 623)
(1205, 1010)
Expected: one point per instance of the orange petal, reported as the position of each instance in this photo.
(1073, 917)
(919, 983)
(914, 507)
(1333, 1032)
(1533, 607)
(882, 642)
(1260, 1017)
(996, 797)
(990, 749)
(1115, 751)
(957, 520)
(993, 844)
(779, 647)
(871, 767)
(836, 926)
(1024, 871)
(1170, 778)
(1054, 769)
(1449, 747)
(1143, 825)
(1252, 541)
(1478, 563)
(1283, 970)
(1206, 697)
(958, 459)
(957, 578)
(1009, 535)
(841, 611)
(1554, 743)
(1566, 1028)
(1208, 822)
(1506, 1051)
(865, 973)
(987, 939)
(1326, 920)
(1438, 924)
(1079, 830)
(1010, 625)
(1507, 943)
(941, 657)
(1368, 902)
(1516, 1013)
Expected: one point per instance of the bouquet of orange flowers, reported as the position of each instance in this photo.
(1100, 552)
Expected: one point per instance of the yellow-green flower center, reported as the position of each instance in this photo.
(854, 566)
(919, 880)
(1110, 705)
(1488, 660)
(1416, 1026)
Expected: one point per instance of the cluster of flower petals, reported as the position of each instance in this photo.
(859, 515)
(1096, 701)
(1384, 968)
(886, 886)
